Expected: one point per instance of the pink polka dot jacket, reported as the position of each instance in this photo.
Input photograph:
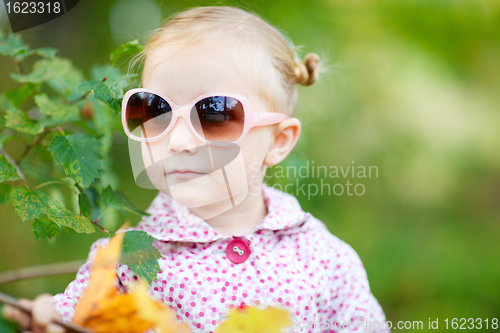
(290, 261)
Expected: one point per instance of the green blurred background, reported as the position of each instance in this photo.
(412, 87)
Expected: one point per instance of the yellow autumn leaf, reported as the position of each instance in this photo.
(103, 310)
(163, 318)
(117, 314)
(101, 289)
(249, 319)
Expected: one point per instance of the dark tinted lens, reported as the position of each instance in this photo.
(218, 118)
(147, 114)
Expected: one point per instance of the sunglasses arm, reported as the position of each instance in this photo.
(268, 118)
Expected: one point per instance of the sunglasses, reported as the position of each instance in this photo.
(149, 116)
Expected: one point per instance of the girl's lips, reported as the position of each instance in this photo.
(184, 174)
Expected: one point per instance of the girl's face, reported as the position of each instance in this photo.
(182, 167)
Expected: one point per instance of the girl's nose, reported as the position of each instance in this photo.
(182, 139)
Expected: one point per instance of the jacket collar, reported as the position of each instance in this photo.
(170, 221)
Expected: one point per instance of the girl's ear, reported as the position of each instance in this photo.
(286, 135)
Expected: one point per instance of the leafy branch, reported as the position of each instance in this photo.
(68, 135)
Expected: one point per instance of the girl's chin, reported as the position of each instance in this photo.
(206, 190)
(194, 195)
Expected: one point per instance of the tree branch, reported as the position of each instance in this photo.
(100, 226)
(70, 328)
(14, 163)
(19, 67)
(30, 145)
(39, 271)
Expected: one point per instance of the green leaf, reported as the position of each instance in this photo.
(46, 52)
(69, 231)
(117, 84)
(18, 96)
(18, 120)
(88, 201)
(129, 48)
(63, 113)
(36, 76)
(60, 75)
(39, 74)
(84, 204)
(102, 92)
(116, 80)
(7, 170)
(29, 204)
(4, 193)
(63, 217)
(139, 255)
(65, 78)
(43, 228)
(117, 199)
(13, 46)
(79, 155)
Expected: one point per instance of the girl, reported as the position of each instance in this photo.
(219, 86)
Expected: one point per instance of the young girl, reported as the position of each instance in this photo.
(219, 87)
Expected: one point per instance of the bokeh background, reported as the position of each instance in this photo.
(412, 87)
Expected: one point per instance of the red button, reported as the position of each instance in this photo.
(237, 250)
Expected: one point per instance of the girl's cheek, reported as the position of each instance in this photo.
(254, 149)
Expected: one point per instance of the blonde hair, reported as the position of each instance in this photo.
(270, 63)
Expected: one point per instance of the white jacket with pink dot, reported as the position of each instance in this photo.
(290, 261)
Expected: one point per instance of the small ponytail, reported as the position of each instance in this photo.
(306, 72)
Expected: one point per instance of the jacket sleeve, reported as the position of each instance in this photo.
(64, 303)
(349, 304)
